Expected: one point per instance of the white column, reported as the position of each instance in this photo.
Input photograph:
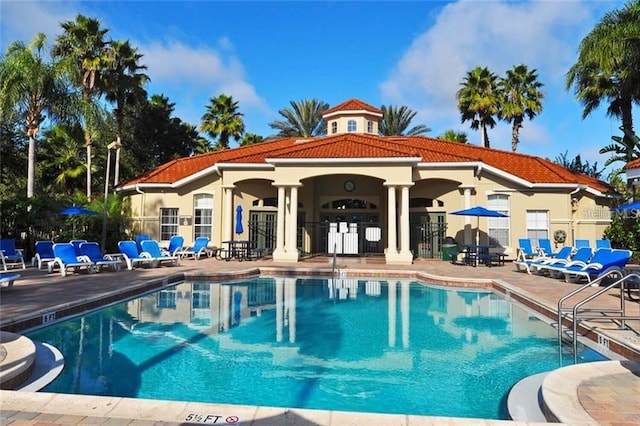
(467, 219)
(290, 233)
(280, 225)
(292, 222)
(405, 249)
(227, 233)
(392, 242)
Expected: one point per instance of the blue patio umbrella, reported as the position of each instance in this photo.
(479, 211)
(76, 211)
(239, 228)
(626, 207)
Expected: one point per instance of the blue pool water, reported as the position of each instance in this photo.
(389, 346)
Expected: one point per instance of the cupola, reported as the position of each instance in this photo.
(352, 116)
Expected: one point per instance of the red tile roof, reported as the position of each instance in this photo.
(632, 164)
(529, 168)
(352, 105)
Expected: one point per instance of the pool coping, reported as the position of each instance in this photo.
(131, 408)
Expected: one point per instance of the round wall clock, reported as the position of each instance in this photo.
(349, 185)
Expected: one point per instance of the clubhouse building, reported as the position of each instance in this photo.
(354, 192)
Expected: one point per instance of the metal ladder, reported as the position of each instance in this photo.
(577, 313)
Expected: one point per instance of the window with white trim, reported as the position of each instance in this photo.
(537, 225)
(369, 126)
(334, 127)
(168, 223)
(202, 215)
(352, 126)
(498, 228)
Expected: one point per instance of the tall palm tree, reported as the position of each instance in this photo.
(396, 120)
(33, 90)
(453, 136)
(63, 163)
(223, 120)
(607, 68)
(84, 48)
(479, 100)
(122, 84)
(303, 119)
(521, 97)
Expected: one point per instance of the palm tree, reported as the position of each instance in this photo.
(63, 163)
(223, 119)
(304, 119)
(625, 148)
(123, 85)
(83, 47)
(453, 136)
(479, 100)
(521, 97)
(396, 120)
(250, 139)
(607, 68)
(33, 90)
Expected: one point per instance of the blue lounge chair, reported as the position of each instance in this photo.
(92, 251)
(603, 262)
(131, 255)
(532, 265)
(580, 257)
(199, 249)
(544, 246)
(10, 256)
(44, 253)
(76, 245)
(139, 239)
(176, 244)
(8, 278)
(65, 258)
(153, 249)
(582, 243)
(525, 250)
(603, 244)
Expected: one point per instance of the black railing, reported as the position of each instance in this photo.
(427, 239)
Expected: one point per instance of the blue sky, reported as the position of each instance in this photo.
(267, 53)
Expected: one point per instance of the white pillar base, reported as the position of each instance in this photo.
(285, 257)
(398, 258)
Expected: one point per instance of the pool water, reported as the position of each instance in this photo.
(388, 346)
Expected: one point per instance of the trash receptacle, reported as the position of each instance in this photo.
(450, 252)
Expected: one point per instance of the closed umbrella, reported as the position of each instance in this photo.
(478, 212)
(239, 228)
(76, 211)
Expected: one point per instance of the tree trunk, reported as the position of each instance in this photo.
(88, 142)
(515, 136)
(485, 137)
(31, 166)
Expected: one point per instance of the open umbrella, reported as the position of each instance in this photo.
(626, 207)
(239, 228)
(76, 211)
(478, 212)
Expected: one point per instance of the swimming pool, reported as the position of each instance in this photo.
(383, 345)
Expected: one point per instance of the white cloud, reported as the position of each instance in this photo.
(201, 71)
(543, 35)
(20, 20)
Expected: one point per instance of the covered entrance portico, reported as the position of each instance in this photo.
(356, 214)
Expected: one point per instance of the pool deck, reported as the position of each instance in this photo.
(602, 393)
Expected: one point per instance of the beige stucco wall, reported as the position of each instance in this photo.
(323, 182)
